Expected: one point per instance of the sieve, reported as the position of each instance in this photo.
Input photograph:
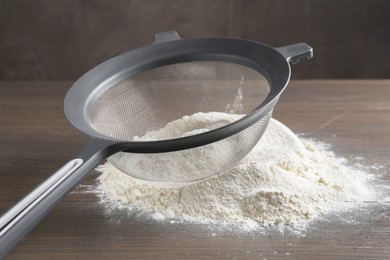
(143, 90)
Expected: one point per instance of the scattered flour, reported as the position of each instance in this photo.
(283, 180)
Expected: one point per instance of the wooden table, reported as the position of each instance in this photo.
(35, 139)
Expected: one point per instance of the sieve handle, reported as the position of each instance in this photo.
(294, 52)
(21, 218)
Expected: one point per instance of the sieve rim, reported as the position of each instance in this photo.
(262, 58)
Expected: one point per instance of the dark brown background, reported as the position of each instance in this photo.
(61, 40)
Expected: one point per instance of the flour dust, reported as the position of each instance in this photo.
(284, 180)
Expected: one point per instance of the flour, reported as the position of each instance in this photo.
(283, 180)
(190, 164)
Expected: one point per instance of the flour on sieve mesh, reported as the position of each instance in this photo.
(283, 180)
(190, 164)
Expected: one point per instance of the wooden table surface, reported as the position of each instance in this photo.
(35, 139)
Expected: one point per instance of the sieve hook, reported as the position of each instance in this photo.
(294, 52)
(166, 36)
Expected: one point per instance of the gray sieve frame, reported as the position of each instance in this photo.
(170, 49)
(21, 218)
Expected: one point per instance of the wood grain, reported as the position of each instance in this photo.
(35, 139)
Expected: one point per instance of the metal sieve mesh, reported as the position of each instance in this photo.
(149, 100)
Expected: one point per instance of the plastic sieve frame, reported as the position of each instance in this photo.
(168, 49)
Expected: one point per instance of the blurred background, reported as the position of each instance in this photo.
(61, 40)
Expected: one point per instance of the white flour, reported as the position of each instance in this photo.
(284, 180)
(185, 165)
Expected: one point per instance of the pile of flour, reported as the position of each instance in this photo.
(190, 164)
(283, 180)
